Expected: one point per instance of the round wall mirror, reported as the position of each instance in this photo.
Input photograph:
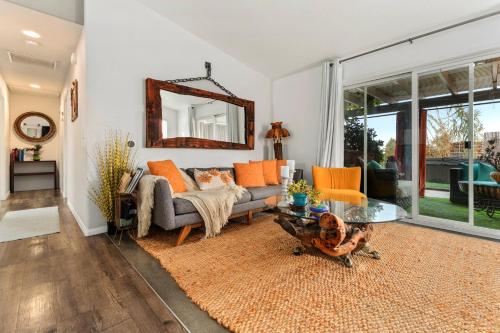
(35, 127)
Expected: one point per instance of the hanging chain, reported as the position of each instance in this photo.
(208, 77)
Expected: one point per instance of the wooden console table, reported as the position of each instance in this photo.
(32, 169)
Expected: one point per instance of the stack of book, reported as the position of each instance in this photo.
(18, 155)
(128, 183)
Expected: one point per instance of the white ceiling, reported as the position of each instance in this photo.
(58, 40)
(282, 36)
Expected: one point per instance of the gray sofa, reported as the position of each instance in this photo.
(172, 213)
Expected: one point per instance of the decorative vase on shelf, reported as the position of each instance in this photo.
(495, 175)
(299, 199)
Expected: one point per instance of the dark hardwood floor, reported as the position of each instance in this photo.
(66, 282)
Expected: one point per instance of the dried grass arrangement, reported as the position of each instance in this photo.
(112, 159)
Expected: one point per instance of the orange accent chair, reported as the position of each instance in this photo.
(338, 183)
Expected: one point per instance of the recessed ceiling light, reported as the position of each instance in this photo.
(32, 42)
(35, 86)
(31, 33)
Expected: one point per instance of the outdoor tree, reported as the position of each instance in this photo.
(449, 126)
(354, 138)
(390, 147)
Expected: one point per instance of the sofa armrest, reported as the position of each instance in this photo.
(163, 213)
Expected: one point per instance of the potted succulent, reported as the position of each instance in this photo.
(492, 157)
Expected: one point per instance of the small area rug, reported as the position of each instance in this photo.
(426, 281)
(29, 223)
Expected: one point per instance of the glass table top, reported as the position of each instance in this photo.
(368, 211)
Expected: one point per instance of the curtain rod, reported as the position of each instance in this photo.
(411, 39)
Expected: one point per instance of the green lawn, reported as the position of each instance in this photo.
(443, 208)
(437, 186)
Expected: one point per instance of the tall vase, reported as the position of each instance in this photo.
(278, 151)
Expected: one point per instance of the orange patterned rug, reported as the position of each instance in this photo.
(249, 281)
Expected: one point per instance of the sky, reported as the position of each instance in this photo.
(386, 126)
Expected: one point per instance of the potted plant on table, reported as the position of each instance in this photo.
(304, 194)
(112, 159)
(492, 157)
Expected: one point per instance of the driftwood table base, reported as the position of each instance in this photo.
(331, 236)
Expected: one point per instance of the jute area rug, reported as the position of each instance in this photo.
(426, 281)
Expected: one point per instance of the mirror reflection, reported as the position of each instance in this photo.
(35, 127)
(199, 117)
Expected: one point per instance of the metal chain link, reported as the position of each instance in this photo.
(201, 78)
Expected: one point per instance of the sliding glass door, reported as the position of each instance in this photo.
(430, 142)
(445, 145)
(486, 117)
(378, 133)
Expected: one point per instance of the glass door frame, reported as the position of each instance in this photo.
(441, 223)
(416, 140)
(415, 217)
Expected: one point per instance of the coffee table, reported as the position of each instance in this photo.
(345, 230)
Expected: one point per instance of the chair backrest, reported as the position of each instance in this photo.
(337, 178)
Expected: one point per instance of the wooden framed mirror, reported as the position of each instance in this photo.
(34, 127)
(178, 116)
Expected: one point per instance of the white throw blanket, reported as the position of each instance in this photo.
(214, 206)
(145, 203)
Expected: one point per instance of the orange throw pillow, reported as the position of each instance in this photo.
(270, 171)
(249, 174)
(279, 164)
(168, 170)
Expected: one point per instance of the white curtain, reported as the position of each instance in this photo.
(331, 132)
(232, 123)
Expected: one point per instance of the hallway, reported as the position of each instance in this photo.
(66, 282)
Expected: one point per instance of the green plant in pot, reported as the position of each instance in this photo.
(37, 150)
(492, 157)
(299, 191)
(112, 159)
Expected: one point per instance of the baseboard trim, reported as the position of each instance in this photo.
(86, 231)
(5, 196)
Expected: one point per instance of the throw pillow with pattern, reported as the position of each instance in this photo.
(213, 179)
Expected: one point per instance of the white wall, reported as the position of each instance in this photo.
(4, 140)
(127, 42)
(296, 98)
(75, 153)
(48, 105)
(468, 40)
(296, 102)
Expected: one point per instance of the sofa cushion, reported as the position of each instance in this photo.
(269, 168)
(213, 179)
(465, 170)
(374, 165)
(249, 174)
(350, 196)
(484, 172)
(190, 171)
(186, 219)
(265, 192)
(183, 206)
(168, 170)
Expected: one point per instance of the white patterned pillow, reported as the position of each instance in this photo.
(212, 179)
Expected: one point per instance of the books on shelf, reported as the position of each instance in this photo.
(124, 182)
(135, 180)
